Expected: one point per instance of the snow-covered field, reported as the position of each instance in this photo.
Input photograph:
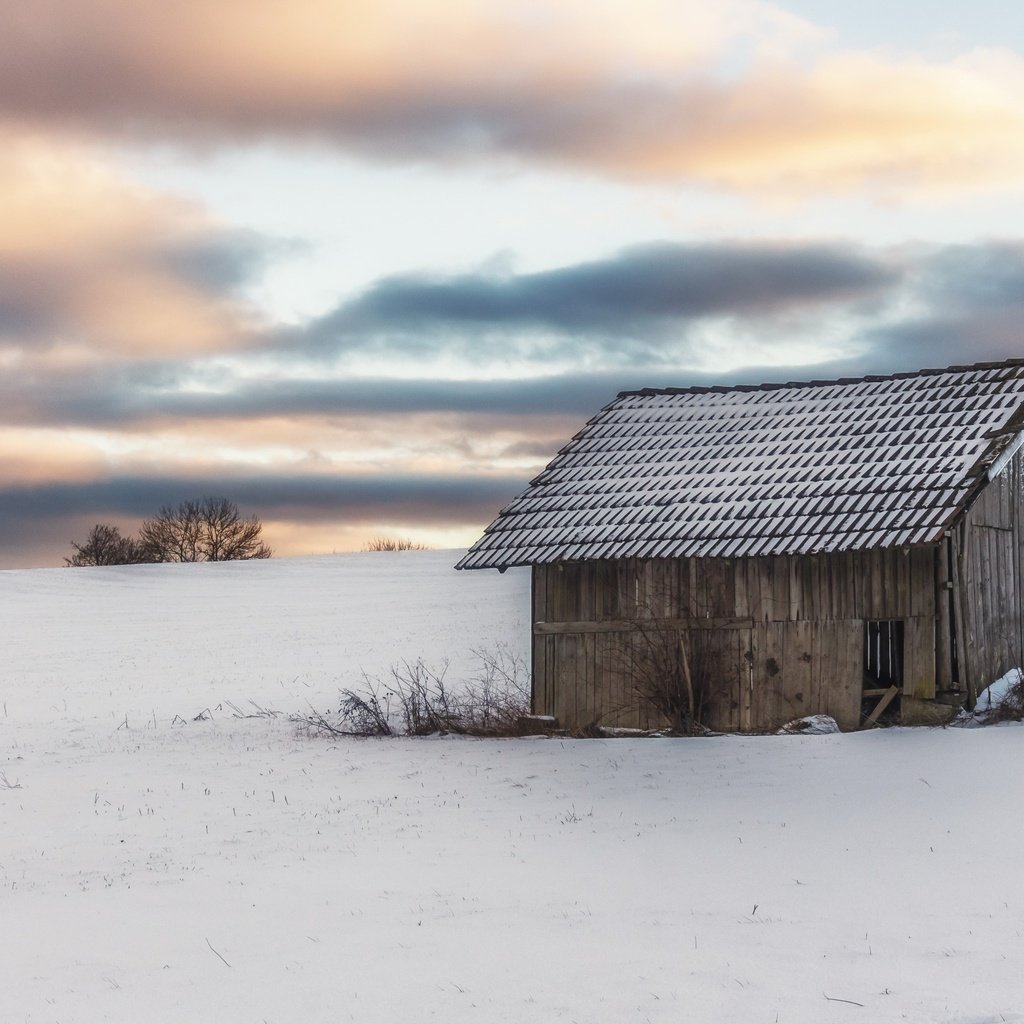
(158, 868)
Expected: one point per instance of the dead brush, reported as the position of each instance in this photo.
(416, 700)
(363, 712)
(424, 702)
(493, 702)
(671, 670)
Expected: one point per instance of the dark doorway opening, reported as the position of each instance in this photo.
(883, 671)
(883, 652)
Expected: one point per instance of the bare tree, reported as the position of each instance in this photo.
(228, 536)
(106, 545)
(209, 530)
(172, 535)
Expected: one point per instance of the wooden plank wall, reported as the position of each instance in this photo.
(993, 589)
(789, 631)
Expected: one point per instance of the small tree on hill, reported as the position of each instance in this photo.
(208, 530)
(106, 545)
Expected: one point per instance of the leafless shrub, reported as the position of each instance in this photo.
(366, 712)
(493, 702)
(423, 700)
(668, 673)
(393, 544)
(672, 667)
(416, 700)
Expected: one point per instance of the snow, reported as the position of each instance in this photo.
(811, 725)
(1004, 693)
(158, 868)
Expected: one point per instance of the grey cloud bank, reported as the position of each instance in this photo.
(636, 301)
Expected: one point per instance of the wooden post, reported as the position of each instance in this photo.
(687, 677)
(960, 592)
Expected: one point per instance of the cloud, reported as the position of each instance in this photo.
(966, 303)
(737, 94)
(95, 266)
(937, 341)
(124, 400)
(637, 303)
(312, 498)
(117, 401)
(608, 320)
(976, 278)
(34, 457)
(576, 336)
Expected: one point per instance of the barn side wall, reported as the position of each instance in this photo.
(992, 589)
(788, 632)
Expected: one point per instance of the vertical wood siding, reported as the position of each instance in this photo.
(789, 631)
(993, 589)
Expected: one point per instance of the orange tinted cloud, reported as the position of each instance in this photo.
(738, 93)
(854, 119)
(39, 456)
(266, 64)
(95, 266)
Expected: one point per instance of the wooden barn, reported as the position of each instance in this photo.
(848, 547)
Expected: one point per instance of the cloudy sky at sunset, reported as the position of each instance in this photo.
(364, 266)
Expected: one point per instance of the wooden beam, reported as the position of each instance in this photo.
(632, 625)
(1004, 457)
(965, 644)
(882, 705)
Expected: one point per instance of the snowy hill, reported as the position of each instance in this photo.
(172, 639)
(157, 868)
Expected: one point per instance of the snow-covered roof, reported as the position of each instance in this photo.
(871, 462)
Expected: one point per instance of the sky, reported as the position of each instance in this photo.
(363, 268)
